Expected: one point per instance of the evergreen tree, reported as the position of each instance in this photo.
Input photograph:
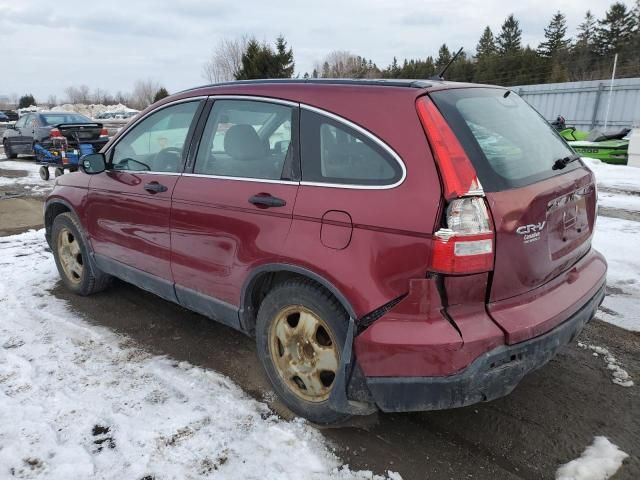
(615, 31)
(487, 44)
(510, 38)
(26, 101)
(584, 52)
(283, 62)
(315, 73)
(555, 37)
(587, 31)
(160, 94)
(261, 61)
(444, 57)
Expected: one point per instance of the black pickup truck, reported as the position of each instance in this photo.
(43, 127)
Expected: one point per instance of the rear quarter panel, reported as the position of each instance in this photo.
(392, 227)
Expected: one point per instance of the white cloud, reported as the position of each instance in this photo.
(48, 46)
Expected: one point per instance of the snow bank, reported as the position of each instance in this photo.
(618, 177)
(617, 240)
(78, 401)
(93, 109)
(619, 375)
(598, 462)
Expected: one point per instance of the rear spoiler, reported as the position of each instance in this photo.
(67, 125)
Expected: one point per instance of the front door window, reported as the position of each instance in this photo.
(157, 143)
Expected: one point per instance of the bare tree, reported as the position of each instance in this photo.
(143, 93)
(339, 64)
(52, 101)
(226, 60)
(77, 94)
(122, 98)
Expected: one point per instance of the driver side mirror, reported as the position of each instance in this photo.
(93, 163)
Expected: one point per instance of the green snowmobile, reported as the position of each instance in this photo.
(610, 148)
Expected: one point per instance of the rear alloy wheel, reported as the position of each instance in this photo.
(300, 332)
(305, 354)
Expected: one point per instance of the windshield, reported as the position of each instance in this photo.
(509, 143)
(56, 118)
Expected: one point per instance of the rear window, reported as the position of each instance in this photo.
(509, 143)
(56, 118)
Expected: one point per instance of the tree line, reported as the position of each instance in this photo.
(145, 92)
(499, 58)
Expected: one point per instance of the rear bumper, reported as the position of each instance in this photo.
(492, 375)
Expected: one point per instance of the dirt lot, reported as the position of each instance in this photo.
(549, 419)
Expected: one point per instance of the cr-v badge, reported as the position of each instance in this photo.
(531, 233)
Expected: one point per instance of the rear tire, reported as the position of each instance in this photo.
(58, 171)
(7, 150)
(44, 173)
(300, 332)
(77, 271)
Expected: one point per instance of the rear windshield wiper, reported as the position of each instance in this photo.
(560, 163)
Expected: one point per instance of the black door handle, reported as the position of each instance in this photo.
(155, 187)
(266, 201)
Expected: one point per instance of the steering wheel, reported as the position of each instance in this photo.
(163, 162)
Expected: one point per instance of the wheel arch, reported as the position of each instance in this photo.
(263, 278)
(52, 209)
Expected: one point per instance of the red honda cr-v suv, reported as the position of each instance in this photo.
(393, 245)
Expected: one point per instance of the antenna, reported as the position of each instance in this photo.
(440, 76)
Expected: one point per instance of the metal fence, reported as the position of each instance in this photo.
(584, 104)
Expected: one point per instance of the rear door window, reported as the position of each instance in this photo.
(508, 142)
(246, 139)
(335, 153)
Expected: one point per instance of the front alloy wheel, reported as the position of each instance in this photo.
(70, 255)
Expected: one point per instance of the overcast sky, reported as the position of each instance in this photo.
(46, 46)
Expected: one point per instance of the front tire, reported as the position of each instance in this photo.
(7, 150)
(77, 271)
(300, 332)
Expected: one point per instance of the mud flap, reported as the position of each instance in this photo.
(338, 399)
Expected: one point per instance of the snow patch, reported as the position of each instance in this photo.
(31, 181)
(618, 177)
(78, 401)
(599, 461)
(617, 240)
(619, 375)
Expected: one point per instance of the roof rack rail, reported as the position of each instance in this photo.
(381, 82)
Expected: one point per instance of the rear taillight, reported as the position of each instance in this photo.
(104, 132)
(466, 243)
(458, 175)
(55, 133)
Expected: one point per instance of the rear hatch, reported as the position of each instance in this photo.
(80, 132)
(543, 216)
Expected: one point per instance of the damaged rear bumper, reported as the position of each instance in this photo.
(492, 375)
